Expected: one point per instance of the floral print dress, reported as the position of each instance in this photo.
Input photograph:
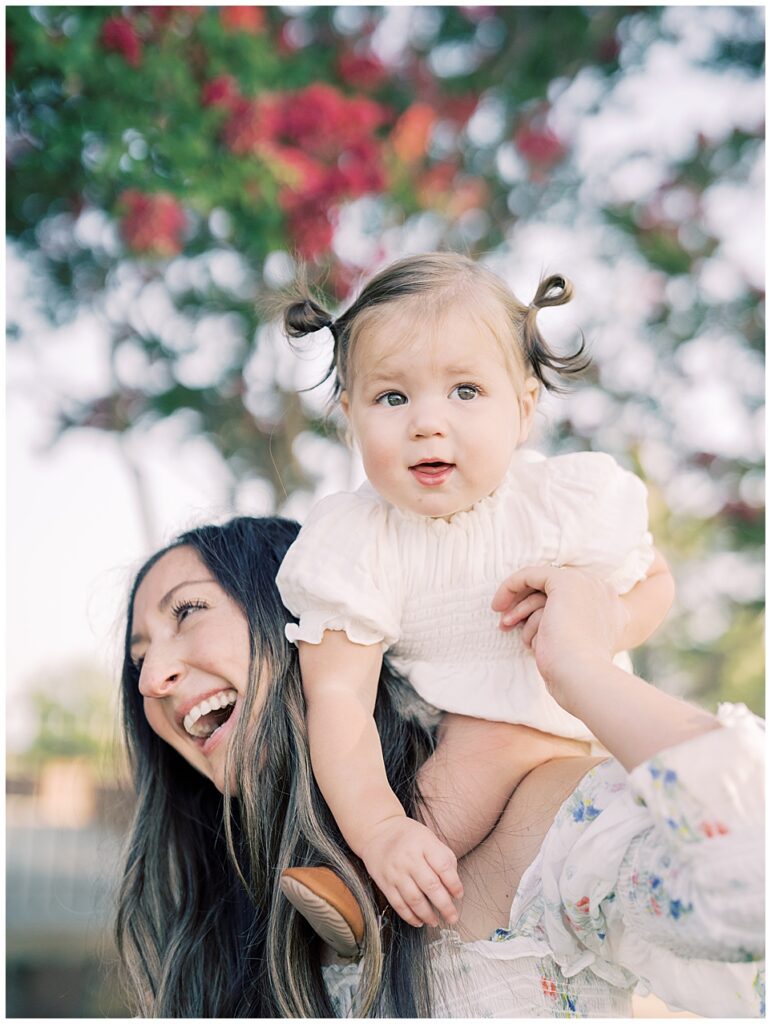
(651, 879)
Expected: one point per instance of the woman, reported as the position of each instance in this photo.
(654, 875)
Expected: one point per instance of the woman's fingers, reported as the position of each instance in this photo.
(521, 611)
(520, 585)
(530, 628)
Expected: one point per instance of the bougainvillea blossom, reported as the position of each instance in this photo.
(320, 145)
(538, 143)
(120, 35)
(361, 70)
(221, 91)
(152, 224)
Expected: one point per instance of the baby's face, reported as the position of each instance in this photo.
(437, 415)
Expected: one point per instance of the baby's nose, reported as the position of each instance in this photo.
(428, 420)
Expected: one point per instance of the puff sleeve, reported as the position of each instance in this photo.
(602, 513)
(341, 573)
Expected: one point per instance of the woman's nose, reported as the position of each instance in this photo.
(161, 673)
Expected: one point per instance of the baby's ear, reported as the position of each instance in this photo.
(345, 404)
(527, 403)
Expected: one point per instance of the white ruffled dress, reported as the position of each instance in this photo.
(653, 878)
(422, 587)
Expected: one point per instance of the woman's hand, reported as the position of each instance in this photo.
(577, 633)
(414, 870)
(569, 616)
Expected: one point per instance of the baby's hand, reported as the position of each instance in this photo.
(414, 870)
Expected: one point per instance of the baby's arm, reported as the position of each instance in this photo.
(415, 871)
(647, 604)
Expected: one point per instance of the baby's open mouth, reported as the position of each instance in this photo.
(432, 472)
(206, 717)
(432, 467)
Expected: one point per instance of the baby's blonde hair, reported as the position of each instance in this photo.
(430, 285)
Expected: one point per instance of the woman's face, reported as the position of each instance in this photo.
(190, 641)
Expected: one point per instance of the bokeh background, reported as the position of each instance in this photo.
(168, 167)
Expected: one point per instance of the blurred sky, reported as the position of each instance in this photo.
(74, 525)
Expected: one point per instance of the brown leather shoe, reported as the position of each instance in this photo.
(328, 905)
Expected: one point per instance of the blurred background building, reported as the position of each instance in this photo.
(167, 169)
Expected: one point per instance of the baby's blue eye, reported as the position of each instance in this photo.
(466, 392)
(391, 398)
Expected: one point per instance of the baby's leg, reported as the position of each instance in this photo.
(475, 768)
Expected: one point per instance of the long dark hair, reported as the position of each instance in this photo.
(202, 928)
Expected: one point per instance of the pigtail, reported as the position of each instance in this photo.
(554, 290)
(300, 315)
(305, 317)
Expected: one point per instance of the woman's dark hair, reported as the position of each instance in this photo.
(432, 283)
(202, 928)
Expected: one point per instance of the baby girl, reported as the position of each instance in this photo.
(438, 368)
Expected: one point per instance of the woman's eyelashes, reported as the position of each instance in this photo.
(183, 608)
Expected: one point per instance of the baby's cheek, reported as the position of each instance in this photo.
(380, 464)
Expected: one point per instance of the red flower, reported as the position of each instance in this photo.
(539, 144)
(297, 170)
(459, 108)
(321, 148)
(243, 19)
(119, 34)
(359, 169)
(221, 91)
(583, 904)
(152, 224)
(361, 71)
(245, 129)
(311, 228)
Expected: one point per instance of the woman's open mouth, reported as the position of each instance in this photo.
(432, 474)
(204, 721)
